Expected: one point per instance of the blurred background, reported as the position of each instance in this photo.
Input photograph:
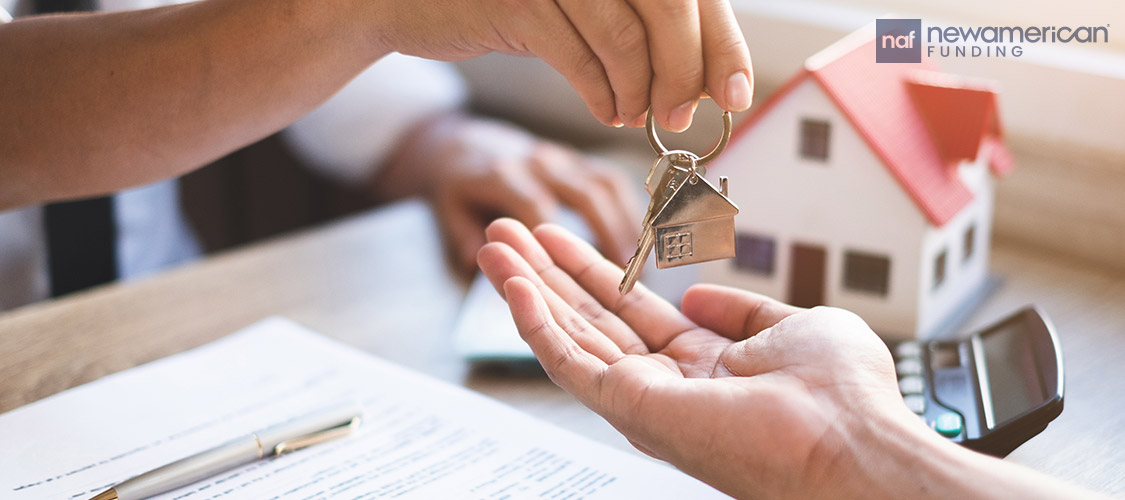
(1062, 105)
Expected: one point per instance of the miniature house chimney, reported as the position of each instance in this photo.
(723, 185)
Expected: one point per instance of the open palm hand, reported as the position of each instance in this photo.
(735, 378)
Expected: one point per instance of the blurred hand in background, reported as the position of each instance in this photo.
(473, 170)
(399, 129)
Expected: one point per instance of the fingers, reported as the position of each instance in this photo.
(501, 263)
(464, 230)
(507, 190)
(732, 313)
(516, 193)
(728, 75)
(676, 48)
(466, 201)
(616, 35)
(572, 368)
(596, 196)
(621, 191)
(651, 318)
(644, 449)
(623, 393)
(575, 309)
(624, 55)
(490, 169)
(835, 343)
(551, 36)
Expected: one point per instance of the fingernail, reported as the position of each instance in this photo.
(617, 123)
(738, 92)
(680, 118)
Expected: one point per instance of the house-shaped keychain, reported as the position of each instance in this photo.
(696, 225)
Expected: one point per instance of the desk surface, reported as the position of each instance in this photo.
(378, 282)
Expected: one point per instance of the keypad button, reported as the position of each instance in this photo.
(909, 366)
(948, 424)
(911, 385)
(909, 349)
(915, 402)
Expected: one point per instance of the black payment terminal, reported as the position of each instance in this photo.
(990, 392)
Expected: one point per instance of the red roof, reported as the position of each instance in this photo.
(919, 122)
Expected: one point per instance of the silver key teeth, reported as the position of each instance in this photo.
(636, 263)
(630, 277)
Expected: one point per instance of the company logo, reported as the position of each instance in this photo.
(898, 40)
(902, 40)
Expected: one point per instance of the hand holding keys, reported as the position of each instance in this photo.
(688, 220)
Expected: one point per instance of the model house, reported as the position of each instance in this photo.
(868, 187)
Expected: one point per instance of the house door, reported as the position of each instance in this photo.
(806, 275)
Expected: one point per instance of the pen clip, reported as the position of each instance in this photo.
(316, 437)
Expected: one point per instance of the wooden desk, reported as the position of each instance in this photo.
(377, 282)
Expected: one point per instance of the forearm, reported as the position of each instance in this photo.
(94, 103)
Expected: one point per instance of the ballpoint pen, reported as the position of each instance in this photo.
(283, 438)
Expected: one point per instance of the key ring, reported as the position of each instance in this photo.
(684, 161)
(660, 149)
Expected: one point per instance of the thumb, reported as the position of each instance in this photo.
(733, 313)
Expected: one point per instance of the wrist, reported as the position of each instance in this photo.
(892, 454)
(895, 455)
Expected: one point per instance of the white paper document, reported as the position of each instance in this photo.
(420, 438)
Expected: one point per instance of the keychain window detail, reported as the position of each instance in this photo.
(678, 245)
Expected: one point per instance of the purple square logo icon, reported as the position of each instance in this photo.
(898, 40)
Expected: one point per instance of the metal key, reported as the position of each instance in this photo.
(681, 165)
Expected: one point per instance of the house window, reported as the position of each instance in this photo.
(814, 139)
(939, 269)
(754, 253)
(970, 241)
(867, 272)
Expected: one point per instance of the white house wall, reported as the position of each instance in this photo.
(850, 202)
(962, 276)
